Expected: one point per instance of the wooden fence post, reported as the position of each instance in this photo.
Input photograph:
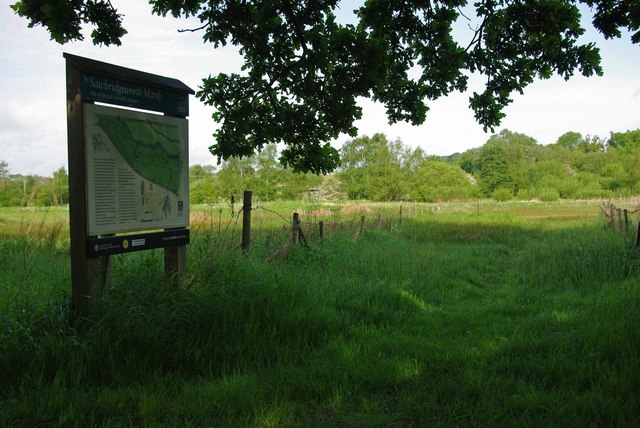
(619, 219)
(638, 238)
(246, 221)
(357, 234)
(400, 215)
(321, 230)
(626, 220)
(295, 228)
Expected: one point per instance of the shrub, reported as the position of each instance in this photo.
(523, 195)
(593, 192)
(549, 195)
(502, 195)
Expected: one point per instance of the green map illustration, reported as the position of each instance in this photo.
(152, 149)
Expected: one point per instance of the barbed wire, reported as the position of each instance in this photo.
(260, 207)
(296, 225)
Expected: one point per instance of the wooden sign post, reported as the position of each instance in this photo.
(128, 170)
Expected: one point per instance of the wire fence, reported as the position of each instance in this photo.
(619, 218)
(220, 228)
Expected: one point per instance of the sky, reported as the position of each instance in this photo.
(33, 137)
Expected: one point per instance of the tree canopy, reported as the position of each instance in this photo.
(303, 71)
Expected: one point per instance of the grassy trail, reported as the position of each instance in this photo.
(461, 319)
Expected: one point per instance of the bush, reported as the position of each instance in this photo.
(523, 195)
(593, 192)
(502, 195)
(549, 195)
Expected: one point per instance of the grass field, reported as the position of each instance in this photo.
(479, 314)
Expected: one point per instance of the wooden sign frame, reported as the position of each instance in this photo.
(90, 81)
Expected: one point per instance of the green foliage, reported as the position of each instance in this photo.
(627, 140)
(204, 186)
(575, 141)
(574, 167)
(592, 143)
(11, 194)
(4, 173)
(372, 168)
(570, 140)
(64, 19)
(32, 190)
(549, 195)
(440, 181)
(502, 194)
(331, 189)
(303, 71)
(494, 173)
(260, 173)
(503, 160)
(60, 183)
(469, 161)
(377, 169)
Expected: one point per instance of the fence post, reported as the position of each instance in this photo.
(638, 238)
(400, 215)
(361, 231)
(295, 227)
(321, 230)
(619, 219)
(246, 221)
(626, 220)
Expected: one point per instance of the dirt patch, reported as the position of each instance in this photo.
(321, 213)
(199, 217)
(356, 208)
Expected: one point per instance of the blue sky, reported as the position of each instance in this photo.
(32, 84)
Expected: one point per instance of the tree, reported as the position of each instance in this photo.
(574, 141)
(4, 172)
(627, 140)
(504, 159)
(437, 180)
(372, 168)
(330, 189)
(591, 144)
(236, 176)
(60, 181)
(271, 173)
(303, 71)
(494, 169)
(469, 161)
(570, 140)
(203, 184)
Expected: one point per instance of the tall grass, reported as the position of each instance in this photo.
(459, 319)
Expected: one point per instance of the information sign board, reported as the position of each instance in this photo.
(137, 170)
(115, 91)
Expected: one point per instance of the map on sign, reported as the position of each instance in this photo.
(152, 149)
(137, 170)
